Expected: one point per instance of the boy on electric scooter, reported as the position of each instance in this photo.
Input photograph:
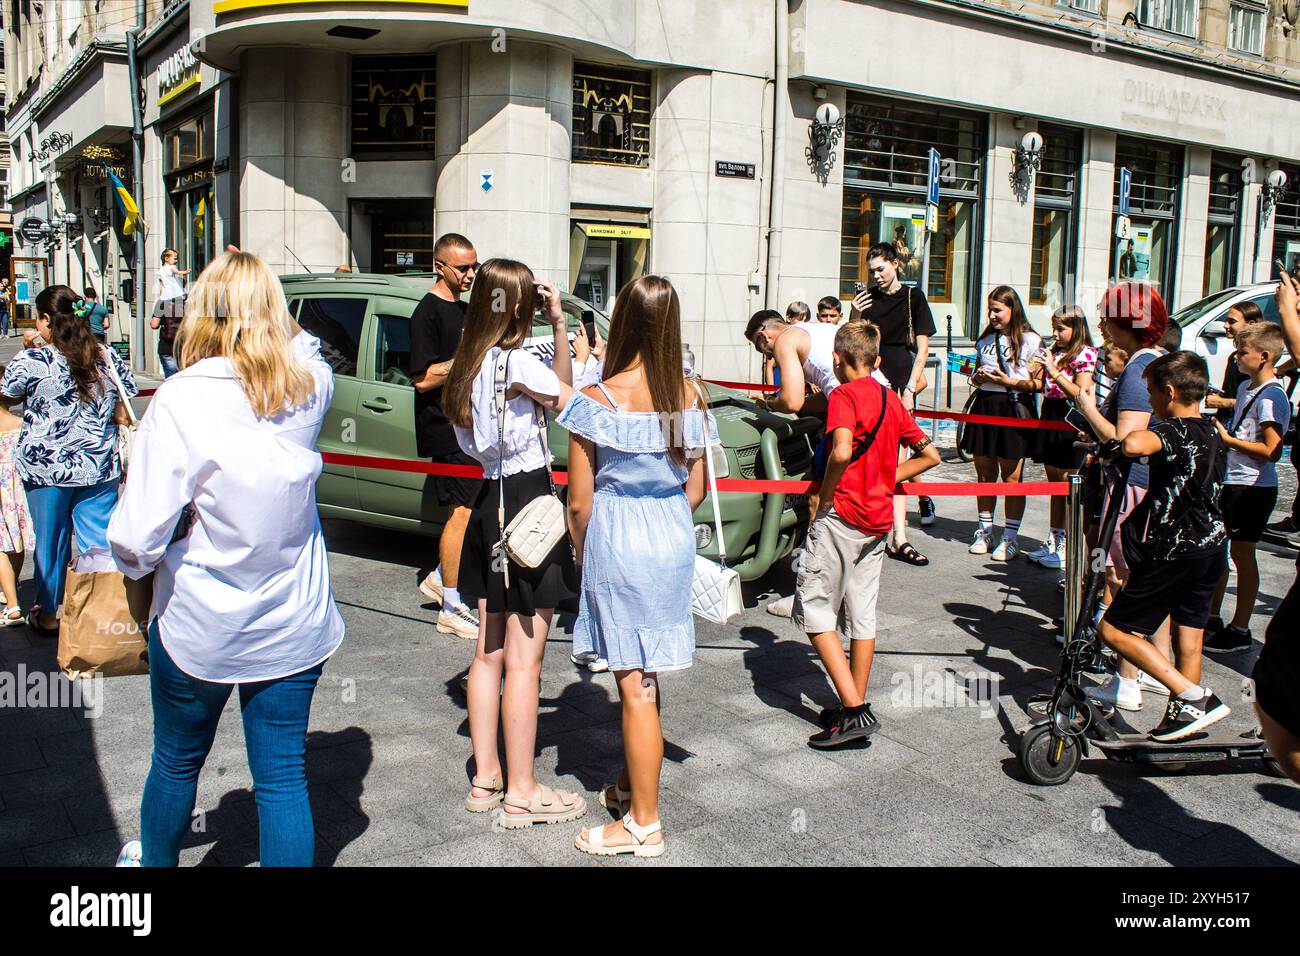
(1174, 543)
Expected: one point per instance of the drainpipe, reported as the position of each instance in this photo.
(780, 109)
(137, 186)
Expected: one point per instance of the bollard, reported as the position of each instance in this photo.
(1076, 555)
(948, 389)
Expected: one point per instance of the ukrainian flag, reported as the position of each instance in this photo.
(126, 204)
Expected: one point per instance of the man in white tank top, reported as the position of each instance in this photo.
(803, 354)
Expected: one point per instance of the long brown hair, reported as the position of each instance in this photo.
(70, 334)
(1076, 320)
(1019, 325)
(501, 307)
(646, 330)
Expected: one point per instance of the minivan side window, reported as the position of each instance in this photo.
(394, 358)
(337, 323)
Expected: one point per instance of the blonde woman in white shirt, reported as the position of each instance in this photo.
(221, 503)
(514, 616)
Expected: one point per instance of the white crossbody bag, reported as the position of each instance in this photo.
(715, 588)
(540, 524)
(125, 433)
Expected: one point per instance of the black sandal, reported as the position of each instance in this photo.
(905, 552)
(34, 622)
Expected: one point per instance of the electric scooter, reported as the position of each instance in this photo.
(1071, 724)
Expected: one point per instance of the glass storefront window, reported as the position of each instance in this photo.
(1147, 255)
(1049, 257)
(1286, 223)
(190, 228)
(885, 165)
(603, 257)
(1051, 254)
(1221, 230)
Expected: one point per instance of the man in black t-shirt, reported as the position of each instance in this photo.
(436, 327)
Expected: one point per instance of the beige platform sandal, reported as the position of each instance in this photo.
(595, 844)
(615, 798)
(549, 806)
(483, 804)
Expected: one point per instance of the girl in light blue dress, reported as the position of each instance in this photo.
(636, 474)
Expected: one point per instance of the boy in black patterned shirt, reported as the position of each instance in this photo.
(1174, 543)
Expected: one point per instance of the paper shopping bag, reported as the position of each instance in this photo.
(105, 624)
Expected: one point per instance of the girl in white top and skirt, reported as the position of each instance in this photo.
(515, 603)
(1006, 383)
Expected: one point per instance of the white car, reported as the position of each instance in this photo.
(1202, 325)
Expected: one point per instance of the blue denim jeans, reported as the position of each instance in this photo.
(57, 511)
(185, 715)
(168, 363)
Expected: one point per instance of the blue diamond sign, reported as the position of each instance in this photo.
(486, 184)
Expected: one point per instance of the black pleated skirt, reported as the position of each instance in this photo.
(1051, 446)
(554, 582)
(997, 441)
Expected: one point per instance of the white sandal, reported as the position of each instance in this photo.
(483, 804)
(621, 802)
(595, 840)
(12, 616)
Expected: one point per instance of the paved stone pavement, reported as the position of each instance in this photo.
(938, 784)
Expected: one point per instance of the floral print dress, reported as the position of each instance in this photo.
(15, 521)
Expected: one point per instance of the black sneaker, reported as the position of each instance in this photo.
(1214, 625)
(1227, 640)
(828, 716)
(846, 727)
(927, 511)
(1185, 717)
(1286, 526)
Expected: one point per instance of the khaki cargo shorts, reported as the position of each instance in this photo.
(839, 579)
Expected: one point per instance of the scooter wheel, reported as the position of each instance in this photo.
(1272, 767)
(1048, 760)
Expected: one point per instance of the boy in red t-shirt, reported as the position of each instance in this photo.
(839, 571)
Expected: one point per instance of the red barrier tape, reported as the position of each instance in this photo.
(1048, 425)
(938, 489)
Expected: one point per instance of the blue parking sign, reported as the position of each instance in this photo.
(932, 181)
(1125, 187)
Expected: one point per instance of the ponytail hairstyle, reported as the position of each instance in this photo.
(502, 303)
(1074, 318)
(70, 334)
(1019, 326)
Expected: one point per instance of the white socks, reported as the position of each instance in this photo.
(1195, 692)
(450, 597)
(1058, 539)
(1013, 528)
(986, 522)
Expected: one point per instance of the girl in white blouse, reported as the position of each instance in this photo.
(514, 615)
(1006, 384)
(221, 504)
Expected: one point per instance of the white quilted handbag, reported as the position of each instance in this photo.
(715, 588)
(540, 524)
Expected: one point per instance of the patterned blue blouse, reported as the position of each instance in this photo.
(64, 441)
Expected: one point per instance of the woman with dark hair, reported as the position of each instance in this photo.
(903, 315)
(1006, 383)
(67, 453)
(636, 473)
(515, 603)
(1238, 316)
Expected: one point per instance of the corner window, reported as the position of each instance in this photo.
(1246, 28)
(611, 115)
(1172, 16)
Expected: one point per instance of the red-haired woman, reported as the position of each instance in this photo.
(1133, 318)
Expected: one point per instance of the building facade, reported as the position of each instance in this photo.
(603, 140)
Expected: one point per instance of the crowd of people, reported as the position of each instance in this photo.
(224, 517)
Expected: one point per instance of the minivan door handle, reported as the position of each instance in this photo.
(377, 404)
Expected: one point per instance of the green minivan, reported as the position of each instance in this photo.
(363, 322)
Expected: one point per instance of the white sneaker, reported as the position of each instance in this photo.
(1039, 553)
(782, 607)
(459, 620)
(431, 587)
(1006, 550)
(1116, 692)
(980, 545)
(1150, 685)
(1054, 561)
(130, 855)
(593, 662)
